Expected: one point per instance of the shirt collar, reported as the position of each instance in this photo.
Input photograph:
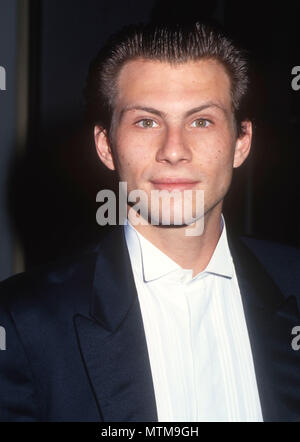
(221, 262)
(145, 258)
(153, 264)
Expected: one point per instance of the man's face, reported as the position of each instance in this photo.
(173, 129)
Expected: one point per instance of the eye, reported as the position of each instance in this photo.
(201, 122)
(147, 123)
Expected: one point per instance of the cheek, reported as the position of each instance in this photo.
(221, 162)
(215, 151)
(131, 156)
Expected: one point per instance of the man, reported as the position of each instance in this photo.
(155, 323)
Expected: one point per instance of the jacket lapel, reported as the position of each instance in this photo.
(270, 318)
(112, 340)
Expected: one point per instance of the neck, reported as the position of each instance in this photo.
(190, 252)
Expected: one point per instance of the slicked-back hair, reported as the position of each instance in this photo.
(174, 44)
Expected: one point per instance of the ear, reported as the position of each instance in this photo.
(243, 144)
(103, 147)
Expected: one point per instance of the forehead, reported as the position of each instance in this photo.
(155, 82)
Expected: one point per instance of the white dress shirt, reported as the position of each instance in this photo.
(197, 338)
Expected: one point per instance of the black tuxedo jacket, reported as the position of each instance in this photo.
(76, 347)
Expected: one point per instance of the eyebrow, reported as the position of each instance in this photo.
(154, 111)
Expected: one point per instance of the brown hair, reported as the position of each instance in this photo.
(166, 43)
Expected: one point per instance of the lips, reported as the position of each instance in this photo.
(173, 183)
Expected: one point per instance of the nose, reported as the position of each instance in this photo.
(174, 148)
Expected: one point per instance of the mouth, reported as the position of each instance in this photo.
(171, 184)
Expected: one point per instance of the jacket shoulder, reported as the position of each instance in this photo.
(281, 261)
(50, 282)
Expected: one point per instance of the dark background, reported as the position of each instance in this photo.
(52, 186)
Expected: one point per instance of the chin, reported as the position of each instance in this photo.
(174, 218)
